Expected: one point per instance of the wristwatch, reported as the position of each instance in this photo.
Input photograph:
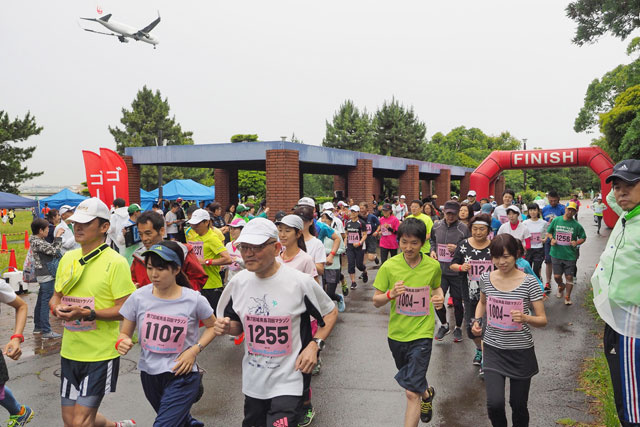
(321, 343)
(91, 317)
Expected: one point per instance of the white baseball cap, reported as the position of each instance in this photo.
(90, 209)
(403, 197)
(293, 221)
(471, 193)
(198, 216)
(355, 208)
(329, 214)
(306, 201)
(328, 206)
(341, 203)
(257, 231)
(513, 208)
(65, 208)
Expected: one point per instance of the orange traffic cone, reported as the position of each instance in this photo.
(4, 246)
(12, 260)
(27, 245)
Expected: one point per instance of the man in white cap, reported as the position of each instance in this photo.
(336, 224)
(68, 239)
(92, 284)
(400, 210)
(473, 203)
(272, 303)
(211, 252)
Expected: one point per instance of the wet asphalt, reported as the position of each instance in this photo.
(356, 386)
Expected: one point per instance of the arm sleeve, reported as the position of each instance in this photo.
(611, 200)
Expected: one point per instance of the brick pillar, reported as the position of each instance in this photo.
(226, 187)
(340, 184)
(409, 183)
(360, 181)
(499, 189)
(301, 184)
(283, 180)
(492, 188)
(134, 179)
(443, 186)
(377, 188)
(464, 185)
(425, 188)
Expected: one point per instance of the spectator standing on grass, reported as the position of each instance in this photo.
(68, 239)
(617, 294)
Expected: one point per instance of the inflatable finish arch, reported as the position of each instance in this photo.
(485, 175)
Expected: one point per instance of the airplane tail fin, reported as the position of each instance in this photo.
(105, 18)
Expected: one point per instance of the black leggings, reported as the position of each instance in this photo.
(535, 257)
(330, 289)
(384, 253)
(355, 258)
(454, 285)
(494, 384)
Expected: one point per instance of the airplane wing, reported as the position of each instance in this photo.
(100, 32)
(149, 27)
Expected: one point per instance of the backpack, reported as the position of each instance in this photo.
(29, 269)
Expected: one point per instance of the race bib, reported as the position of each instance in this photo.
(536, 238)
(353, 237)
(503, 218)
(499, 313)
(268, 335)
(413, 302)
(198, 250)
(79, 325)
(368, 228)
(563, 239)
(163, 334)
(385, 231)
(478, 268)
(443, 253)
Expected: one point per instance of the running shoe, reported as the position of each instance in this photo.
(341, 305)
(354, 285)
(477, 359)
(126, 423)
(444, 330)
(345, 288)
(481, 373)
(51, 335)
(317, 367)
(567, 301)
(21, 420)
(547, 288)
(457, 335)
(365, 277)
(450, 302)
(307, 417)
(560, 291)
(426, 406)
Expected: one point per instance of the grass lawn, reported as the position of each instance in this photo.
(21, 224)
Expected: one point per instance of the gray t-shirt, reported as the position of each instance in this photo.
(165, 327)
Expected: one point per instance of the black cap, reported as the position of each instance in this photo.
(452, 207)
(626, 170)
(386, 207)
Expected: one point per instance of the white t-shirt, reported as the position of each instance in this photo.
(170, 217)
(237, 263)
(315, 248)
(538, 231)
(165, 327)
(271, 311)
(7, 295)
(337, 225)
(68, 239)
(301, 262)
(521, 232)
(500, 213)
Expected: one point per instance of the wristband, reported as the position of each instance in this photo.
(459, 268)
(17, 336)
(389, 295)
(208, 261)
(333, 252)
(118, 342)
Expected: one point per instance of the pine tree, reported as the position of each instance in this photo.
(12, 158)
(398, 132)
(350, 129)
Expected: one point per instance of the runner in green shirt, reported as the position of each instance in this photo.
(566, 234)
(416, 212)
(411, 282)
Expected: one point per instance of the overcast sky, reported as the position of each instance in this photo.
(279, 67)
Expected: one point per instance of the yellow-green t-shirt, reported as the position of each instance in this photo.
(402, 327)
(192, 235)
(212, 248)
(104, 278)
(426, 247)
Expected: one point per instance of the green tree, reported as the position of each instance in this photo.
(148, 116)
(13, 171)
(398, 132)
(621, 125)
(250, 183)
(350, 129)
(598, 17)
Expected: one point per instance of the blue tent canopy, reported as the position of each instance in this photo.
(147, 199)
(186, 189)
(64, 197)
(12, 201)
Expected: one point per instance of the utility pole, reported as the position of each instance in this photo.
(524, 143)
(160, 143)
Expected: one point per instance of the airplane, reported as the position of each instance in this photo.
(124, 32)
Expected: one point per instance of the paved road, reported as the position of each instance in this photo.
(356, 386)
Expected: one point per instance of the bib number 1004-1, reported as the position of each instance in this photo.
(413, 302)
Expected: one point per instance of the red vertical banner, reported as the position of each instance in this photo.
(93, 169)
(116, 176)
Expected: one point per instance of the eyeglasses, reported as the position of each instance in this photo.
(243, 247)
